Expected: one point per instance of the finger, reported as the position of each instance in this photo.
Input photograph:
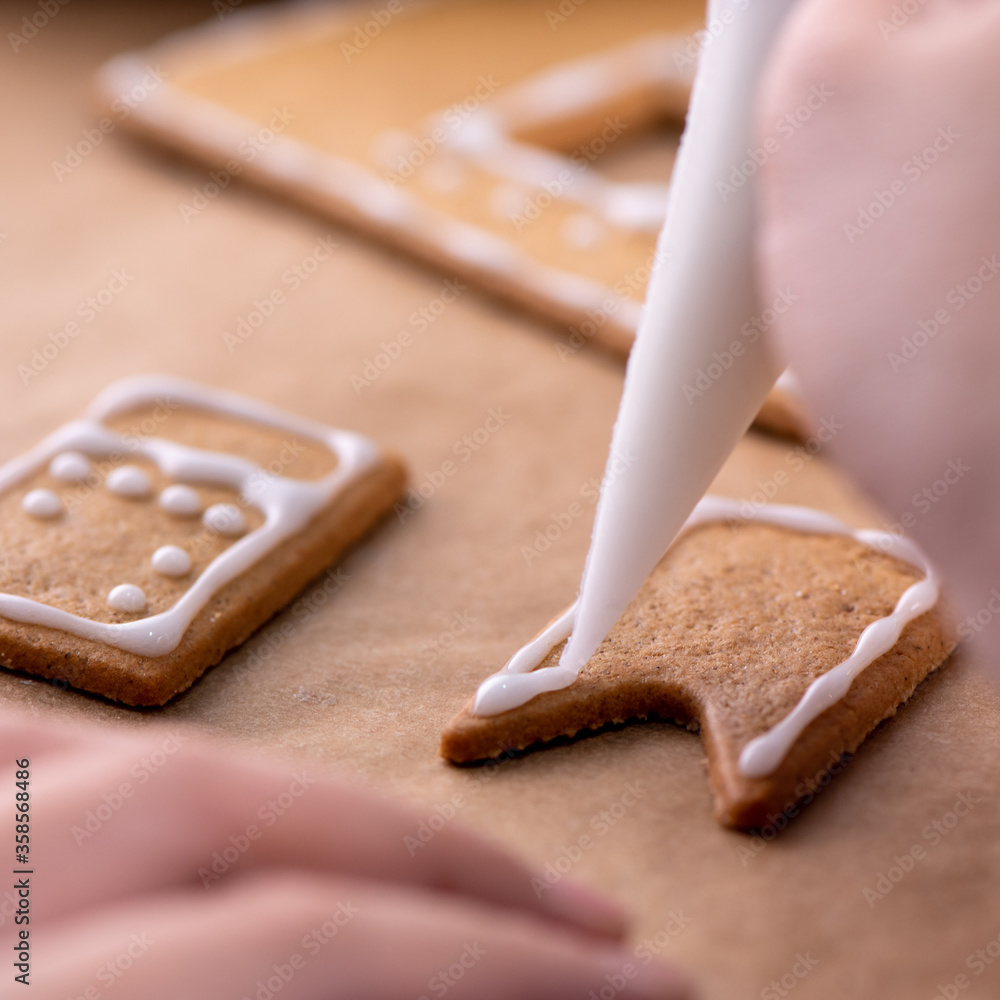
(298, 937)
(165, 811)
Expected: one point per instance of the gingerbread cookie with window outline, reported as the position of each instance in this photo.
(159, 531)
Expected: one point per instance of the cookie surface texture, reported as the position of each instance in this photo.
(727, 635)
(148, 538)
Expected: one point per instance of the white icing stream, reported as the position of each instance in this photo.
(287, 504)
(520, 681)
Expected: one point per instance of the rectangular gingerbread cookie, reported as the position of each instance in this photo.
(148, 538)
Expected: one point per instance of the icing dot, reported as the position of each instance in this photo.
(129, 481)
(224, 518)
(582, 231)
(127, 597)
(171, 560)
(180, 500)
(42, 504)
(70, 467)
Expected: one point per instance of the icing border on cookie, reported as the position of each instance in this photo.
(287, 504)
(520, 681)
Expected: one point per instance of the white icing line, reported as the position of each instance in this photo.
(520, 681)
(287, 504)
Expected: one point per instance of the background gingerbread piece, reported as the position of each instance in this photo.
(147, 539)
(505, 142)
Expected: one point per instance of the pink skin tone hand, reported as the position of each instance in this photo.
(326, 896)
(880, 212)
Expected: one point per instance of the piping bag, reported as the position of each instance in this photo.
(698, 372)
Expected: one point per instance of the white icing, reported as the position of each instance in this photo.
(127, 597)
(181, 501)
(129, 481)
(286, 504)
(225, 518)
(43, 504)
(171, 560)
(520, 681)
(70, 467)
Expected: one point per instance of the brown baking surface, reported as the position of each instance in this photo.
(432, 603)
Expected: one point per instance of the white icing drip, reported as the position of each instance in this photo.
(287, 504)
(43, 504)
(520, 681)
(70, 467)
(127, 597)
(225, 518)
(171, 560)
(181, 501)
(129, 481)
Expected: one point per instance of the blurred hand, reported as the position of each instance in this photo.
(880, 212)
(166, 868)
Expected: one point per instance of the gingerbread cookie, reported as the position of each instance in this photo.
(145, 540)
(786, 639)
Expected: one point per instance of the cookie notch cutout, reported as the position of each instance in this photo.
(729, 633)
